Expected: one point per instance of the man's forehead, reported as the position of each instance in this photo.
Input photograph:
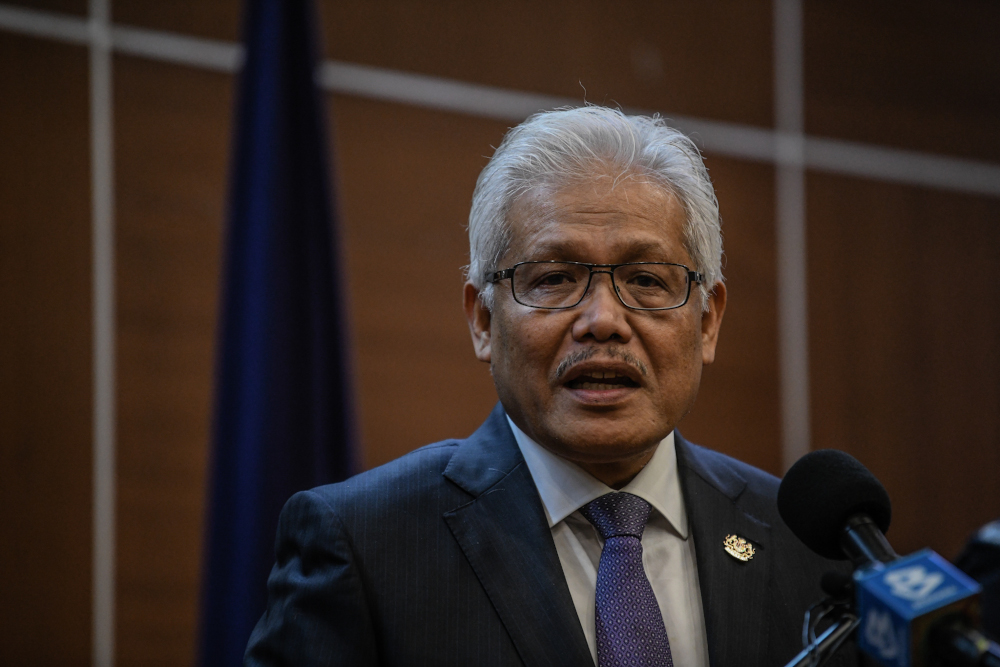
(631, 218)
(598, 194)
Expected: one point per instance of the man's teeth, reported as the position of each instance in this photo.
(603, 375)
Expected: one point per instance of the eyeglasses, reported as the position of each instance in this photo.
(639, 285)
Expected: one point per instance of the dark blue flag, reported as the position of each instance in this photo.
(283, 417)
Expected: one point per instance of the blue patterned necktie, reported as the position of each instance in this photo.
(630, 629)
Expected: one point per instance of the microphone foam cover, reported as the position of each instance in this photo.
(822, 491)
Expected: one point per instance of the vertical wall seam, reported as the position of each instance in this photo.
(790, 212)
(103, 256)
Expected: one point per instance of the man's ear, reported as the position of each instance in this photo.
(478, 316)
(711, 321)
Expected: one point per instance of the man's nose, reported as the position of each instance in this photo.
(602, 315)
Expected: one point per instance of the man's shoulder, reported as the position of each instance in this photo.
(435, 478)
(401, 479)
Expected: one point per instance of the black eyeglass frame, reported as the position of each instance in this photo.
(693, 277)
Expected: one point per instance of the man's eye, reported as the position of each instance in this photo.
(553, 279)
(646, 281)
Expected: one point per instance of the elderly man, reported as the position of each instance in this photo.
(576, 526)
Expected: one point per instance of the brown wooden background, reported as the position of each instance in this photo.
(904, 282)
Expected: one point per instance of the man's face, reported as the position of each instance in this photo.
(548, 365)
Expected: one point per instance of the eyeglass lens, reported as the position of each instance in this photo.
(557, 285)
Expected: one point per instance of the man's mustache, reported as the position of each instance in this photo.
(614, 352)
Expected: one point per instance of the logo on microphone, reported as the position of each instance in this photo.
(897, 601)
(881, 635)
(913, 583)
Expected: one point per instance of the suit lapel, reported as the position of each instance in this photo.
(506, 538)
(734, 594)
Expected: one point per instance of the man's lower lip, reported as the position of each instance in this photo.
(601, 395)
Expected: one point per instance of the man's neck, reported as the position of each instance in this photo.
(617, 474)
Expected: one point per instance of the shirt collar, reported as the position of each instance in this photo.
(564, 487)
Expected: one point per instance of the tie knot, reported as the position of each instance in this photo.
(617, 515)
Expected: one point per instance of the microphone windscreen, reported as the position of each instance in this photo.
(822, 491)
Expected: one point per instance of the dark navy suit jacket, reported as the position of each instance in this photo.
(444, 557)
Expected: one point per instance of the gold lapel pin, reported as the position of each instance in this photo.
(738, 548)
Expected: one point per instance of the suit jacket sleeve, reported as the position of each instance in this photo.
(317, 613)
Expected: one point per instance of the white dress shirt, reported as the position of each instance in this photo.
(667, 548)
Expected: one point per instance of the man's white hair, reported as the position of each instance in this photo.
(559, 147)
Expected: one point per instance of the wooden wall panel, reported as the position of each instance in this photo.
(738, 405)
(695, 58)
(172, 140)
(78, 7)
(706, 59)
(45, 354)
(218, 19)
(904, 289)
(406, 177)
(920, 75)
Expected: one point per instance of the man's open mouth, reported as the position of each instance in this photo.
(599, 380)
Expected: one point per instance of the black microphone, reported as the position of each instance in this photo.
(914, 611)
(837, 508)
